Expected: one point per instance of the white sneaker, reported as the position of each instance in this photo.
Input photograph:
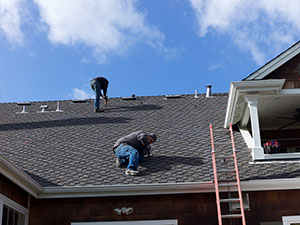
(131, 172)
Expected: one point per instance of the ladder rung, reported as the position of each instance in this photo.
(226, 200)
(224, 156)
(231, 216)
(227, 184)
(222, 143)
(226, 170)
(221, 130)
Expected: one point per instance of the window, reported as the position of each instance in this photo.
(141, 222)
(291, 220)
(11, 213)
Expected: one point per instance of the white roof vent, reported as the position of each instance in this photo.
(208, 91)
(172, 96)
(23, 104)
(196, 94)
(132, 97)
(57, 108)
(43, 108)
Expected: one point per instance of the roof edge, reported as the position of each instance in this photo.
(275, 62)
(126, 190)
(19, 177)
(160, 189)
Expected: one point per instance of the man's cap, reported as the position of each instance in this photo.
(153, 136)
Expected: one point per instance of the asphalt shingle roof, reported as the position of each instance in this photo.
(74, 147)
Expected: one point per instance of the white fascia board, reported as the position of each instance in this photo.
(160, 189)
(19, 177)
(238, 88)
(271, 184)
(275, 63)
(126, 190)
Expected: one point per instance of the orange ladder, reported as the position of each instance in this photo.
(228, 184)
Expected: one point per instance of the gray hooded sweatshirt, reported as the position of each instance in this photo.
(137, 139)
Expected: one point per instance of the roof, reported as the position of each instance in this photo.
(275, 63)
(74, 147)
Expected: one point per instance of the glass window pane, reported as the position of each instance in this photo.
(4, 215)
(10, 216)
(21, 219)
(16, 218)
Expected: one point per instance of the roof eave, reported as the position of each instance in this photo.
(241, 88)
(275, 63)
(19, 177)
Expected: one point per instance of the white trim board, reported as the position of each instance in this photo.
(288, 220)
(19, 177)
(139, 222)
(275, 63)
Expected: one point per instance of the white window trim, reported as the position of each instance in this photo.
(287, 220)
(14, 205)
(137, 222)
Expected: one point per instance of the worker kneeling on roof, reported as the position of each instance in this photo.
(130, 150)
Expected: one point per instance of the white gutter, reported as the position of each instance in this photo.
(19, 177)
(127, 190)
(159, 189)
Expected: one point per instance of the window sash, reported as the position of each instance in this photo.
(5, 201)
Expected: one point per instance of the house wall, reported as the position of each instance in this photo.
(288, 71)
(270, 206)
(189, 209)
(12, 191)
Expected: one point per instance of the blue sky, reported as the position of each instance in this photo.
(50, 49)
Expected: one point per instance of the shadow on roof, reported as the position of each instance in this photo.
(64, 122)
(165, 163)
(140, 107)
(276, 175)
(42, 181)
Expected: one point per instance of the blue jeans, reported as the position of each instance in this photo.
(128, 154)
(95, 84)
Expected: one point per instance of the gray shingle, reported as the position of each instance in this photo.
(75, 147)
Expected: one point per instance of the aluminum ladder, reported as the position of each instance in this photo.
(229, 184)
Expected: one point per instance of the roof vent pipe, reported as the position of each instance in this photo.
(23, 104)
(57, 108)
(208, 91)
(44, 108)
(196, 94)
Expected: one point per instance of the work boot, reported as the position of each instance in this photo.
(98, 110)
(118, 162)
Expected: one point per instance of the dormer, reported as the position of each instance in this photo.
(266, 107)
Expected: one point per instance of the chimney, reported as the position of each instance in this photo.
(208, 91)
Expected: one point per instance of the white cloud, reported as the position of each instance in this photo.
(10, 20)
(262, 27)
(106, 26)
(80, 94)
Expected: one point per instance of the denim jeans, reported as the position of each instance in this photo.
(96, 87)
(128, 154)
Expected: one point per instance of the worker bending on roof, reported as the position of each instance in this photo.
(98, 84)
(130, 150)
